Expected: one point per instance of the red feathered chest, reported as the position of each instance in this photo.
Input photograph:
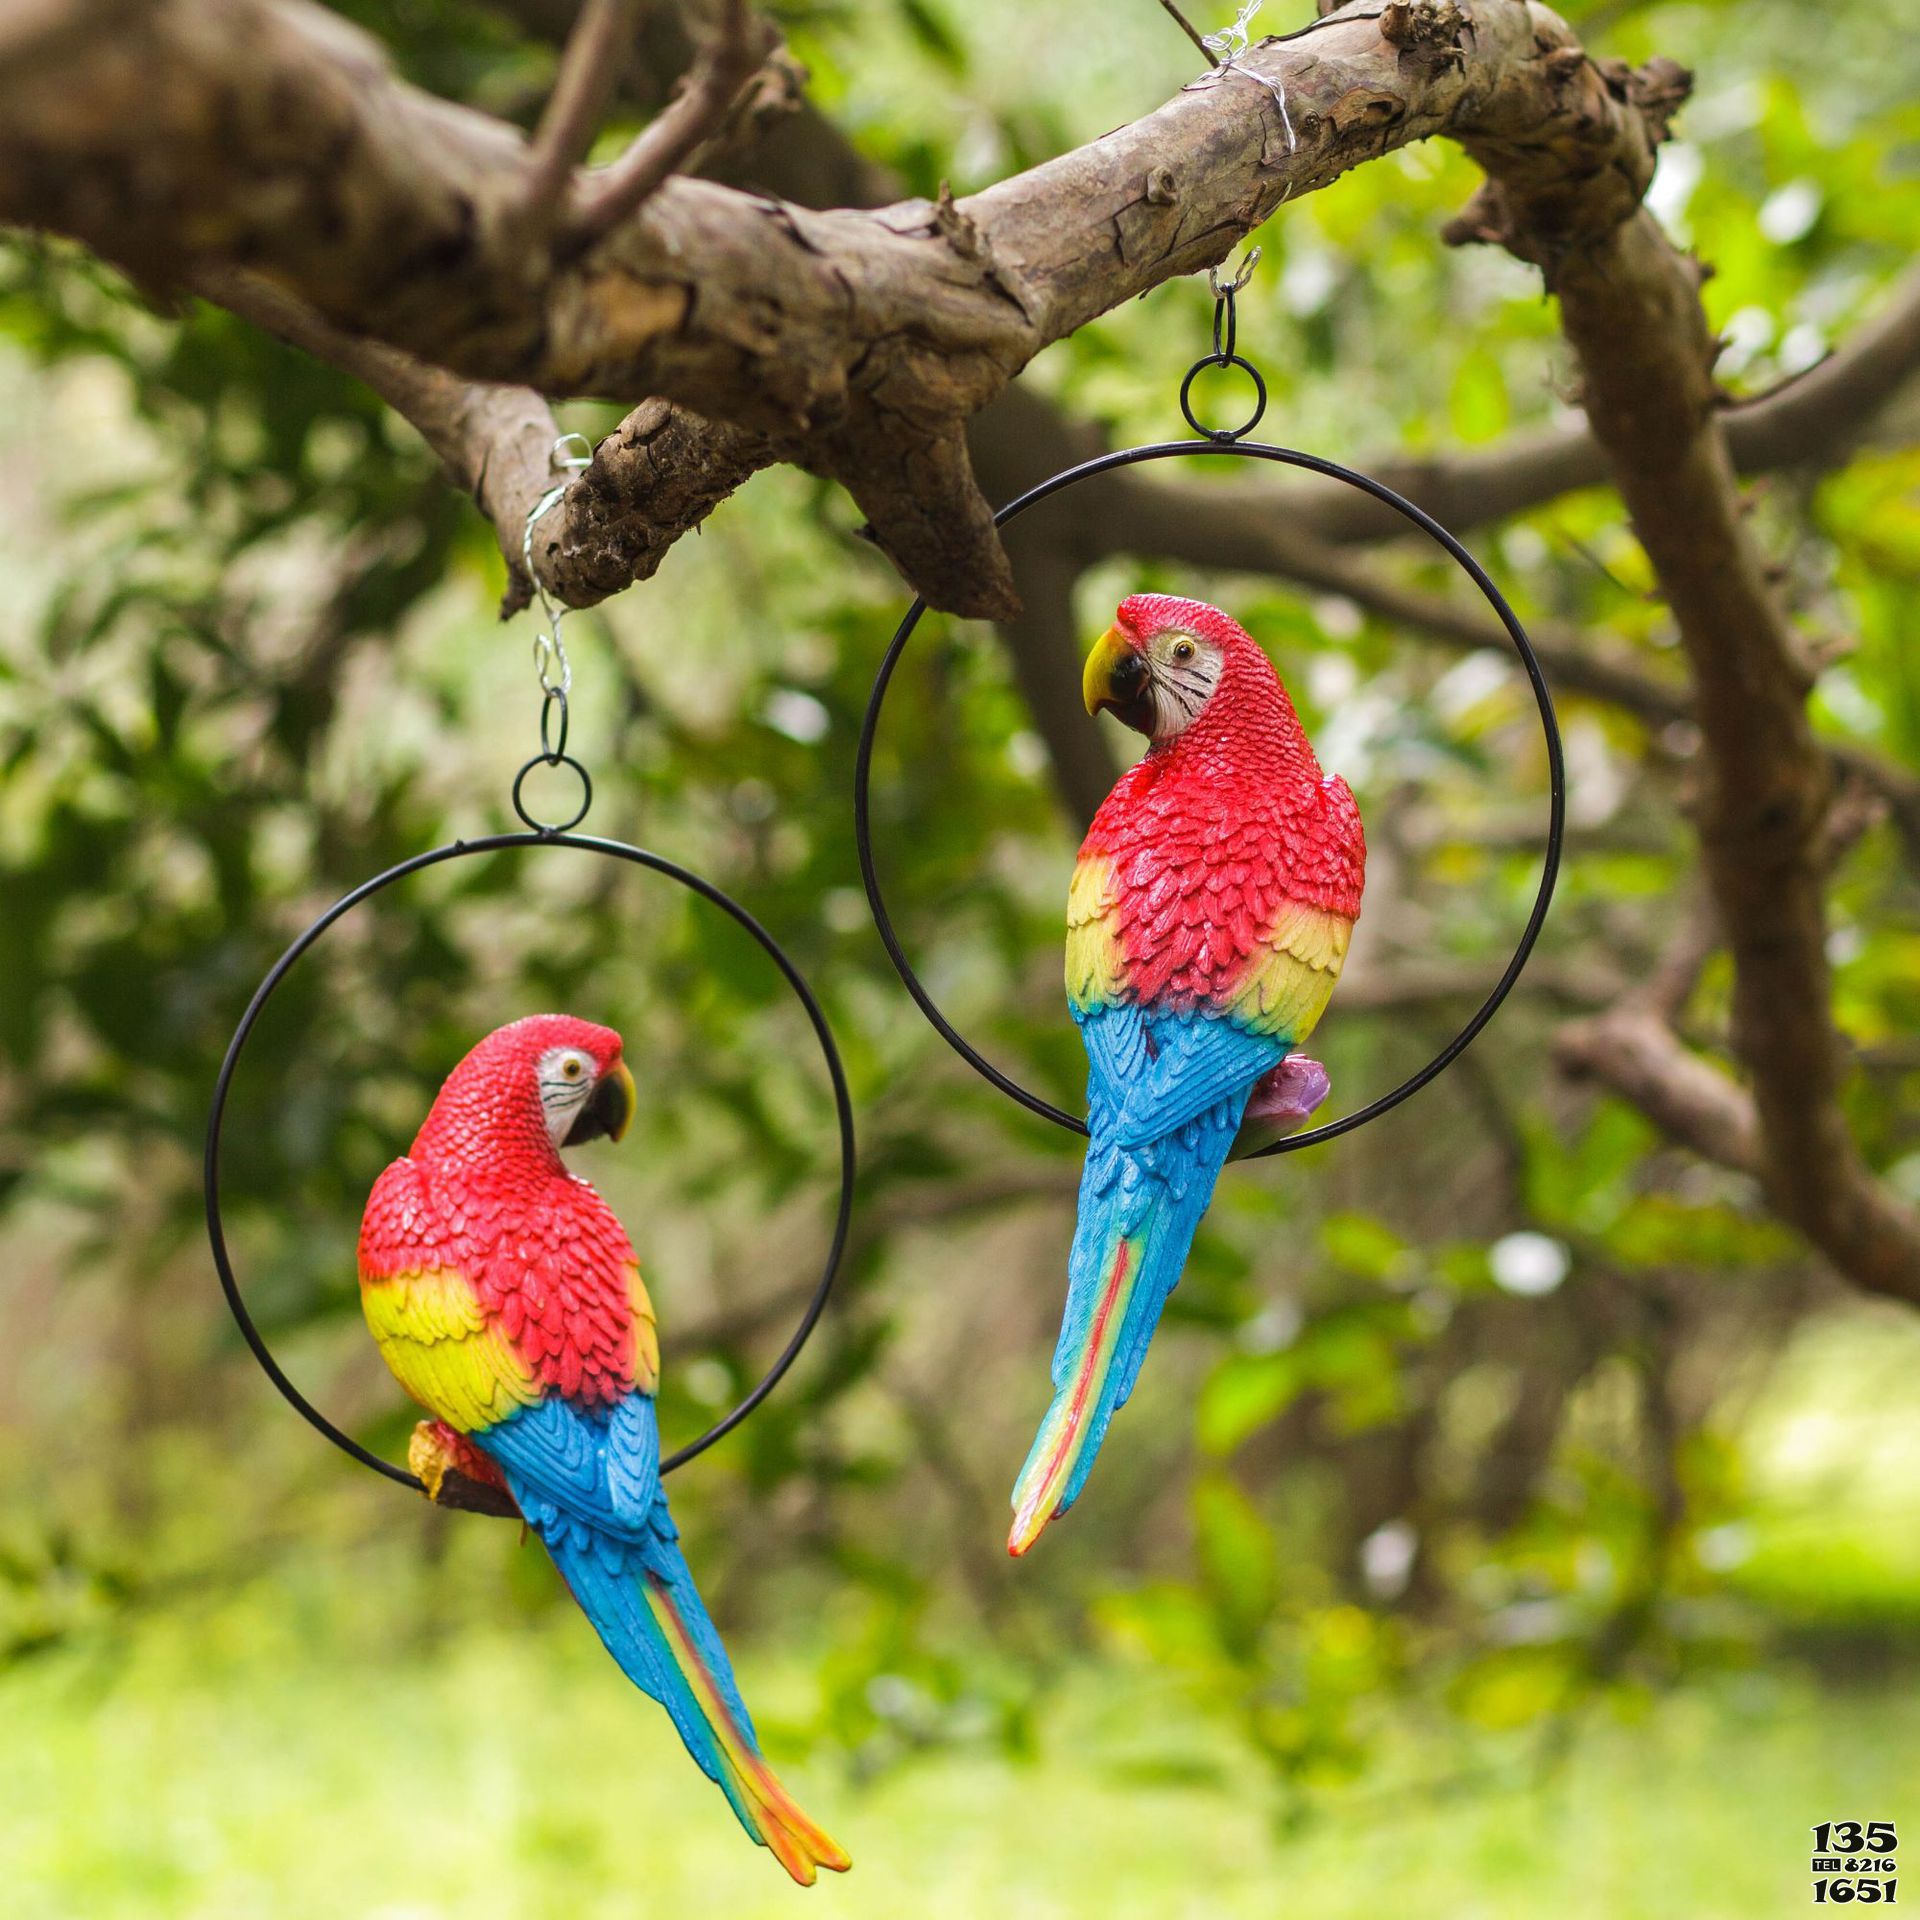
(1207, 847)
(546, 1257)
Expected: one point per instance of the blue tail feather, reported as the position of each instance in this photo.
(1166, 1096)
(1163, 1192)
(608, 1578)
(587, 1481)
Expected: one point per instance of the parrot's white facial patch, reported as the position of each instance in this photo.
(1183, 671)
(566, 1077)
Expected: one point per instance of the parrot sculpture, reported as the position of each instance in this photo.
(506, 1298)
(1207, 921)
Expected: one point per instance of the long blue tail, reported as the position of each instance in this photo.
(640, 1596)
(1139, 1209)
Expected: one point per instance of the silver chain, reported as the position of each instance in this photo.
(571, 454)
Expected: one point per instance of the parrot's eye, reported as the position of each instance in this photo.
(1183, 650)
(572, 1066)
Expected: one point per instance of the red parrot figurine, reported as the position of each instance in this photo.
(506, 1298)
(1206, 925)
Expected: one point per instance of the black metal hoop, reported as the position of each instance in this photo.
(1419, 517)
(492, 843)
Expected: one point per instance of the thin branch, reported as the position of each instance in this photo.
(1186, 26)
(1407, 982)
(730, 58)
(1635, 1054)
(590, 70)
(1814, 421)
(1147, 516)
(1819, 416)
(1897, 785)
(1671, 982)
(904, 1209)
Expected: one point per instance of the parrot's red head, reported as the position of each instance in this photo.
(1166, 663)
(545, 1082)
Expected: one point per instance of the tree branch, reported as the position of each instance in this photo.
(589, 76)
(267, 133)
(1631, 1048)
(1820, 415)
(729, 59)
(1021, 438)
(1631, 308)
(1815, 420)
(1177, 524)
(655, 477)
(803, 157)
(1046, 664)
(1186, 26)
(663, 472)
(641, 507)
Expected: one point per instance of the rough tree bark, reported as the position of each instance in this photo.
(267, 135)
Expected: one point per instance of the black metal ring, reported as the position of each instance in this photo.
(1226, 324)
(1543, 700)
(551, 697)
(492, 843)
(546, 830)
(1222, 436)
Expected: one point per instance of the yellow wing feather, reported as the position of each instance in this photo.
(1093, 935)
(435, 1336)
(646, 1337)
(1291, 974)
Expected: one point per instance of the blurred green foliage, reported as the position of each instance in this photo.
(1462, 1425)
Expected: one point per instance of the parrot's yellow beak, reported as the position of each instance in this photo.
(1116, 677)
(620, 1097)
(609, 1113)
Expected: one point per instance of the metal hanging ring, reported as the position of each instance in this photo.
(554, 750)
(462, 849)
(1224, 436)
(1417, 516)
(1226, 342)
(545, 829)
(1226, 323)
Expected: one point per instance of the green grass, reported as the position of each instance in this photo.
(301, 1750)
(229, 1769)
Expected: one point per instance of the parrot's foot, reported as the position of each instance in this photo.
(455, 1473)
(1283, 1100)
